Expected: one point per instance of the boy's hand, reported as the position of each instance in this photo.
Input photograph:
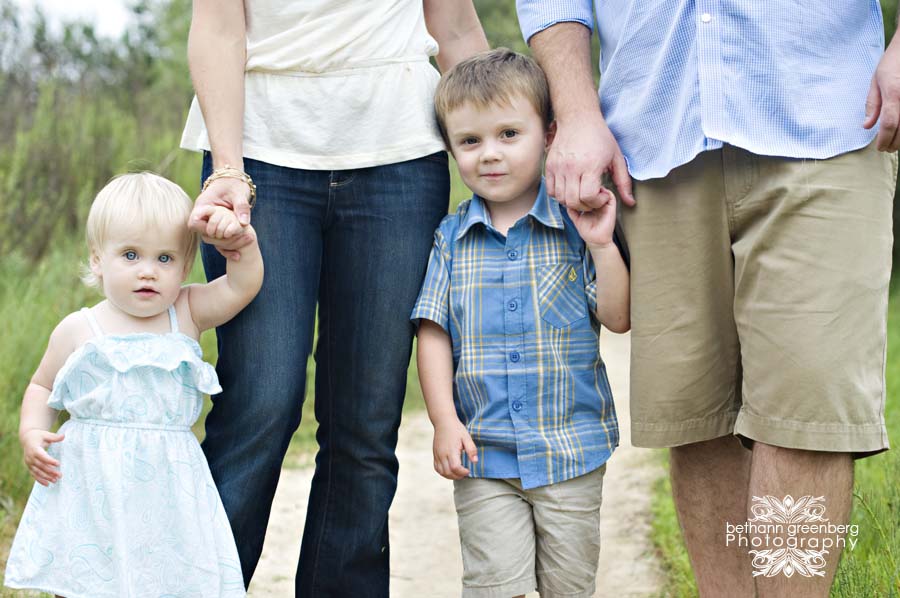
(596, 226)
(450, 440)
(42, 467)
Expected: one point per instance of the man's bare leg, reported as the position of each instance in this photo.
(780, 472)
(709, 483)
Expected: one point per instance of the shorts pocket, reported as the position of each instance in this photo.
(561, 294)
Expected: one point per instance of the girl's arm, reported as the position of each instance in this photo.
(218, 301)
(37, 417)
(434, 358)
(217, 54)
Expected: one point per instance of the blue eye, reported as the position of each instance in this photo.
(165, 259)
(469, 141)
(130, 255)
(509, 133)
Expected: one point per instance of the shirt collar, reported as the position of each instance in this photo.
(545, 210)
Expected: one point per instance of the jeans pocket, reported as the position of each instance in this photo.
(561, 294)
(440, 157)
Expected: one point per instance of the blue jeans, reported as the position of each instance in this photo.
(356, 244)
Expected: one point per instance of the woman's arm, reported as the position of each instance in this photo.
(455, 26)
(217, 54)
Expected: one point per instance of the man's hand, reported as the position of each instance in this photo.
(580, 154)
(450, 439)
(883, 101)
(596, 225)
(42, 467)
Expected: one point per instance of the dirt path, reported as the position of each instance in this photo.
(425, 559)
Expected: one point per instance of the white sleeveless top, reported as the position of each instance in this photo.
(334, 85)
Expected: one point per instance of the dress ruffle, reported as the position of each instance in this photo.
(124, 353)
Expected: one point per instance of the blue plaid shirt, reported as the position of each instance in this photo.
(529, 383)
(777, 78)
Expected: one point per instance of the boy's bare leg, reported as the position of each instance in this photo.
(780, 472)
(709, 483)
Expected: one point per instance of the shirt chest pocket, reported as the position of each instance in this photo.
(561, 294)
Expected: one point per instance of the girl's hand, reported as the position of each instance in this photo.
(220, 227)
(596, 226)
(449, 441)
(233, 194)
(221, 223)
(42, 467)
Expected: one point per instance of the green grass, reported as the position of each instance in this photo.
(871, 569)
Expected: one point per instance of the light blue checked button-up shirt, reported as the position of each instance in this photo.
(776, 77)
(529, 383)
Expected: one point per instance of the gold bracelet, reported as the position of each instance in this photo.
(227, 172)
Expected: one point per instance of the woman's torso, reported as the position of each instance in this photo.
(335, 85)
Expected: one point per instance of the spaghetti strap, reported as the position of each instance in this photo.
(173, 319)
(95, 327)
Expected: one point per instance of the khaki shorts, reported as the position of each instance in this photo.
(759, 301)
(515, 540)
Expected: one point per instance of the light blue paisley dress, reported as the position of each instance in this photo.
(136, 513)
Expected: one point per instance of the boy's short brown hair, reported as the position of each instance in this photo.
(493, 76)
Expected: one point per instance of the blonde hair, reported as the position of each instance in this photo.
(142, 198)
(489, 77)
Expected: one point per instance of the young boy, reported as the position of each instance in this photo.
(509, 316)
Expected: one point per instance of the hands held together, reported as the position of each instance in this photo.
(579, 156)
(222, 216)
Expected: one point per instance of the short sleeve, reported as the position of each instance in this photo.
(434, 297)
(537, 15)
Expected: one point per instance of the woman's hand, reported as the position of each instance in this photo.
(206, 217)
(42, 467)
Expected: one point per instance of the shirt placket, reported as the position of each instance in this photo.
(709, 20)
(514, 279)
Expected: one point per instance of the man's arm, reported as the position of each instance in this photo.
(455, 26)
(883, 101)
(217, 53)
(583, 147)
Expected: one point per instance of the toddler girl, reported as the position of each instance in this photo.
(124, 503)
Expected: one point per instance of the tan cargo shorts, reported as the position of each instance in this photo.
(759, 301)
(516, 540)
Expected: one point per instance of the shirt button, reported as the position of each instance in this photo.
(513, 305)
(706, 17)
(517, 405)
(514, 356)
(512, 254)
